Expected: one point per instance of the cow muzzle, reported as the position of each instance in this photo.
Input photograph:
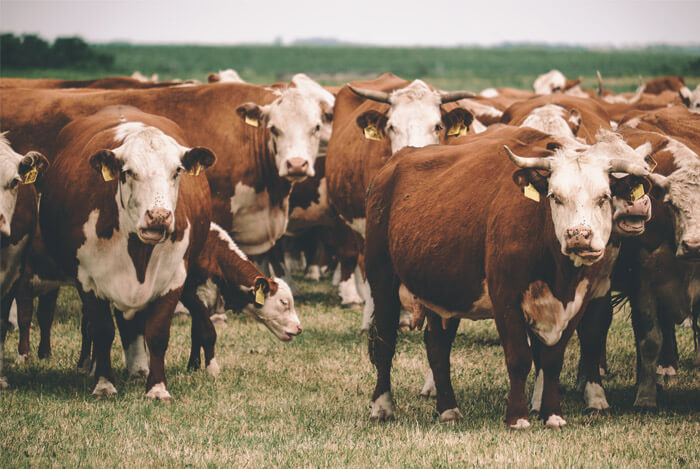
(297, 169)
(158, 225)
(631, 217)
(579, 242)
(690, 250)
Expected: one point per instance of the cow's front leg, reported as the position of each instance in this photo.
(438, 344)
(158, 318)
(648, 337)
(4, 315)
(133, 343)
(592, 332)
(203, 334)
(101, 332)
(25, 309)
(44, 316)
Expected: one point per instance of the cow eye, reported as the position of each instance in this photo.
(12, 184)
(390, 128)
(603, 200)
(127, 172)
(275, 131)
(438, 127)
(178, 171)
(556, 199)
(317, 128)
(284, 302)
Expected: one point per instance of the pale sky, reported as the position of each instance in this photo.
(407, 22)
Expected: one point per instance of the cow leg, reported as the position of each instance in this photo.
(158, 320)
(666, 371)
(101, 331)
(592, 331)
(45, 314)
(85, 358)
(536, 400)
(133, 343)
(552, 360)
(438, 343)
(648, 338)
(347, 288)
(203, 335)
(5, 304)
(25, 309)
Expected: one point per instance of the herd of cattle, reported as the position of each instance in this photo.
(525, 207)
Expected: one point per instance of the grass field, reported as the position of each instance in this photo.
(306, 404)
(448, 68)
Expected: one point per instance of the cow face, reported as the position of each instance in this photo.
(147, 168)
(414, 118)
(579, 192)
(277, 312)
(295, 122)
(691, 99)
(554, 120)
(681, 194)
(631, 205)
(15, 170)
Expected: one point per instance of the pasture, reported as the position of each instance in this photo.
(306, 403)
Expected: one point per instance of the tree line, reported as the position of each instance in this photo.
(31, 51)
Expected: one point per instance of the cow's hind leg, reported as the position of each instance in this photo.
(4, 315)
(667, 369)
(101, 331)
(44, 316)
(592, 332)
(438, 343)
(25, 309)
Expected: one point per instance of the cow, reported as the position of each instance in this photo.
(691, 99)
(225, 76)
(222, 269)
(108, 83)
(450, 224)
(374, 120)
(555, 82)
(141, 77)
(124, 212)
(661, 84)
(18, 217)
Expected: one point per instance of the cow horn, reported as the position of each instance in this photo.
(544, 164)
(600, 84)
(623, 166)
(374, 95)
(448, 97)
(637, 94)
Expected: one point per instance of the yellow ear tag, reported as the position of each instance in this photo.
(457, 130)
(371, 132)
(30, 176)
(251, 122)
(107, 173)
(195, 170)
(637, 193)
(259, 296)
(652, 163)
(530, 192)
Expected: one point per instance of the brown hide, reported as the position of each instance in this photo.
(110, 83)
(661, 84)
(674, 121)
(648, 102)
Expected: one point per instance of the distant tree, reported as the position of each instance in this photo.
(31, 51)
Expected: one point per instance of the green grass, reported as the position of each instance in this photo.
(448, 68)
(306, 404)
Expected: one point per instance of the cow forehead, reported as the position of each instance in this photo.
(9, 160)
(417, 94)
(294, 106)
(549, 119)
(545, 83)
(146, 148)
(684, 187)
(579, 175)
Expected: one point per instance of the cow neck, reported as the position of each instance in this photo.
(267, 174)
(236, 270)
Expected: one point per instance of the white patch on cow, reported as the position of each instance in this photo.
(451, 415)
(3, 382)
(10, 181)
(613, 125)
(551, 119)
(555, 421)
(413, 116)
(536, 401)
(489, 93)
(693, 286)
(429, 389)
(365, 292)
(482, 308)
(594, 397)
(256, 224)
(223, 236)
(546, 315)
(106, 268)
(313, 272)
(383, 407)
(691, 98)
(278, 313)
(11, 264)
(633, 123)
(21, 359)
(158, 392)
(136, 357)
(520, 424)
(13, 315)
(104, 388)
(181, 310)
(359, 225)
(303, 218)
(208, 293)
(335, 279)
(213, 367)
(477, 126)
(348, 292)
(548, 82)
(230, 76)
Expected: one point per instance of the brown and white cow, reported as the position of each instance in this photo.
(109, 83)
(225, 76)
(691, 99)
(124, 212)
(18, 218)
(555, 82)
(450, 224)
(223, 270)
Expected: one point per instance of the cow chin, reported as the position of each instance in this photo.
(630, 226)
(153, 235)
(585, 257)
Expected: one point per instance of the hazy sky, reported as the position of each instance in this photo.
(407, 22)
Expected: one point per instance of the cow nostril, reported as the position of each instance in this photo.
(305, 165)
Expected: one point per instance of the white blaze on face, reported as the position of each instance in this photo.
(691, 98)
(414, 118)
(9, 183)
(310, 87)
(549, 82)
(683, 196)
(278, 313)
(151, 165)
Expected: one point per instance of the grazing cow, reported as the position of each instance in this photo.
(18, 216)
(225, 76)
(691, 99)
(123, 212)
(221, 269)
(538, 262)
(374, 120)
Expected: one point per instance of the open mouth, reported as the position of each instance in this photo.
(590, 256)
(631, 225)
(298, 177)
(152, 235)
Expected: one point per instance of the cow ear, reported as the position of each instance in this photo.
(252, 114)
(261, 287)
(372, 124)
(326, 112)
(532, 183)
(684, 93)
(574, 121)
(571, 83)
(197, 159)
(107, 164)
(660, 186)
(32, 166)
(457, 122)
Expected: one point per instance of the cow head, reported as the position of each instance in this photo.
(554, 120)
(691, 99)
(578, 188)
(15, 170)
(680, 192)
(147, 167)
(296, 122)
(277, 309)
(414, 118)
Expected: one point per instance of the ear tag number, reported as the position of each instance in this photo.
(195, 170)
(371, 132)
(530, 192)
(457, 130)
(30, 176)
(251, 122)
(637, 193)
(259, 296)
(107, 173)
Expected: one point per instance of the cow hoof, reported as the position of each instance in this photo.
(4, 384)
(313, 273)
(594, 396)
(555, 421)
(213, 367)
(218, 318)
(159, 393)
(451, 415)
(22, 358)
(383, 408)
(520, 424)
(429, 389)
(104, 388)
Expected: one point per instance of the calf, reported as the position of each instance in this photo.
(18, 217)
(222, 269)
(449, 223)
